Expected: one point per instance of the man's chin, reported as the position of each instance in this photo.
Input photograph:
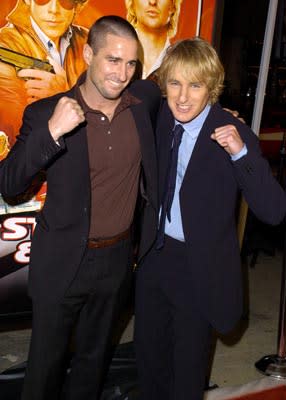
(114, 95)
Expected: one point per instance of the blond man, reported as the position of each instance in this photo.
(190, 281)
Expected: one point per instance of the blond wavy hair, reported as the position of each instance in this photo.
(198, 60)
(174, 17)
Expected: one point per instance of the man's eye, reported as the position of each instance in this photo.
(196, 85)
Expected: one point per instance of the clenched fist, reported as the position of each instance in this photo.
(66, 116)
(228, 137)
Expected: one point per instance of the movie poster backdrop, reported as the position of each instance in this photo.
(17, 216)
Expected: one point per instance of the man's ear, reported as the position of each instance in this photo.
(87, 53)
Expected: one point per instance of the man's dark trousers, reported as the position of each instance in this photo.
(177, 333)
(91, 303)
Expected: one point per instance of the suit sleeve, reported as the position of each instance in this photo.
(33, 151)
(264, 195)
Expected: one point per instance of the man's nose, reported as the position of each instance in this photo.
(183, 95)
(53, 5)
(123, 73)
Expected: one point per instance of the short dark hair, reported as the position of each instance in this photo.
(109, 24)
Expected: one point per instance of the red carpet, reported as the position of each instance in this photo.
(265, 388)
(278, 393)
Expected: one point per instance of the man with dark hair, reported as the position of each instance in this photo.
(42, 29)
(91, 141)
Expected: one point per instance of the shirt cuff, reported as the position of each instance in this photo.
(240, 154)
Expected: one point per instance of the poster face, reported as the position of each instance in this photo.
(33, 31)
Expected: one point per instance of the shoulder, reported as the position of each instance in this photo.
(165, 114)
(150, 95)
(220, 117)
(13, 38)
(79, 32)
(219, 114)
(145, 90)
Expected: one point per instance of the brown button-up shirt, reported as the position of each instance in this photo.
(114, 161)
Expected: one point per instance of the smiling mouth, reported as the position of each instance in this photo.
(184, 108)
(116, 85)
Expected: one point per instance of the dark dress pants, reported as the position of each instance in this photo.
(90, 306)
(172, 338)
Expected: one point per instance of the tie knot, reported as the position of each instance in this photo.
(178, 133)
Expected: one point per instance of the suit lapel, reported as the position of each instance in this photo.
(164, 142)
(205, 150)
(148, 152)
(77, 151)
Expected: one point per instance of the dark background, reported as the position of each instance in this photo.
(238, 37)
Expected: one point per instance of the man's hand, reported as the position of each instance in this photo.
(228, 137)
(66, 116)
(40, 84)
(235, 114)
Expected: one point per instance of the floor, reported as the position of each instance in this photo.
(234, 356)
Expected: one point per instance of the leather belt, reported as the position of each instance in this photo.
(106, 242)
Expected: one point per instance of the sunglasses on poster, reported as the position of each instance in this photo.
(67, 4)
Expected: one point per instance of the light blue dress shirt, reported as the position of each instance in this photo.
(174, 228)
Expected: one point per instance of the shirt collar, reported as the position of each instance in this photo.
(193, 127)
(127, 99)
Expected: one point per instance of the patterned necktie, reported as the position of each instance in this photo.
(170, 185)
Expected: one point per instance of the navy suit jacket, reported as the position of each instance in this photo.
(208, 201)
